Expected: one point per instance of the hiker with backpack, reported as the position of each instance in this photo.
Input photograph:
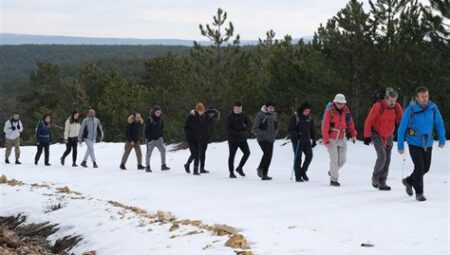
(237, 127)
(302, 132)
(13, 128)
(133, 134)
(420, 119)
(154, 126)
(43, 139)
(71, 131)
(265, 128)
(336, 121)
(90, 129)
(379, 128)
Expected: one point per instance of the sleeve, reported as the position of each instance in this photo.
(352, 128)
(439, 125)
(399, 114)
(102, 133)
(401, 133)
(371, 117)
(247, 124)
(256, 125)
(66, 129)
(7, 128)
(187, 128)
(326, 126)
(127, 133)
(312, 129)
(20, 127)
(291, 125)
(80, 133)
(38, 131)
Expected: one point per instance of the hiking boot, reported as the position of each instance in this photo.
(305, 177)
(335, 184)
(18, 162)
(95, 164)
(421, 198)
(408, 188)
(74, 164)
(164, 167)
(186, 168)
(62, 161)
(148, 170)
(298, 179)
(384, 186)
(47, 164)
(140, 167)
(266, 178)
(196, 171)
(232, 175)
(240, 171)
(83, 164)
(260, 172)
(375, 183)
(204, 171)
(6, 161)
(122, 167)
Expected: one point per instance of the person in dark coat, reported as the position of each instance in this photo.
(237, 127)
(154, 127)
(196, 131)
(303, 138)
(133, 134)
(43, 139)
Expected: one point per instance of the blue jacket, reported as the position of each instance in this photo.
(43, 132)
(423, 121)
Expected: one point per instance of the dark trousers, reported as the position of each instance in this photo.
(198, 154)
(267, 148)
(299, 149)
(422, 161)
(233, 146)
(40, 147)
(71, 145)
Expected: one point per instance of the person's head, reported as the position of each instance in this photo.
(304, 109)
(237, 107)
(340, 101)
(391, 97)
(47, 118)
(137, 117)
(270, 106)
(15, 115)
(200, 108)
(91, 113)
(157, 110)
(75, 117)
(421, 95)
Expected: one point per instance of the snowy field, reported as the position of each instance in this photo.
(277, 217)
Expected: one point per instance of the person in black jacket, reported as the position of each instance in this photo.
(196, 130)
(133, 134)
(154, 135)
(237, 126)
(43, 139)
(303, 138)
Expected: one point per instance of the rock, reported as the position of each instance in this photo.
(10, 238)
(165, 216)
(243, 252)
(222, 230)
(237, 241)
(89, 253)
(174, 227)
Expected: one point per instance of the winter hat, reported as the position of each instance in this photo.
(199, 107)
(270, 103)
(237, 103)
(305, 105)
(340, 99)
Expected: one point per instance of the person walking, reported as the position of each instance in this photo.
(133, 135)
(43, 139)
(13, 128)
(71, 131)
(237, 127)
(89, 130)
(196, 129)
(154, 128)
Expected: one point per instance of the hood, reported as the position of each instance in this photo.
(131, 119)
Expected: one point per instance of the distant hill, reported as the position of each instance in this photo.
(19, 39)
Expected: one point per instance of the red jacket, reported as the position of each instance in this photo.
(335, 124)
(382, 119)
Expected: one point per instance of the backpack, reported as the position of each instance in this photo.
(348, 116)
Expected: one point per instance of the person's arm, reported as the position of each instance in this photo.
(440, 128)
(256, 124)
(370, 120)
(401, 133)
(38, 132)
(80, 133)
(66, 130)
(312, 130)
(399, 113)
(291, 127)
(326, 127)
(101, 130)
(20, 126)
(7, 128)
(187, 127)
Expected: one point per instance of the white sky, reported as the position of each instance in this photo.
(164, 19)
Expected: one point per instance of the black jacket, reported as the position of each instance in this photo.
(237, 127)
(154, 128)
(302, 128)
(196, 128)
(133, 132)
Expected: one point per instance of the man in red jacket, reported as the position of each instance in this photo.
(336, 121)
(379, 128)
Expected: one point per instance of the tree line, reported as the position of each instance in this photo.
(395, 43)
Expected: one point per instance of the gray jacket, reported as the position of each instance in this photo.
(88, 129)
(265, 126)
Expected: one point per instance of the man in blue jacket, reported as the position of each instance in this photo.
(419, 120)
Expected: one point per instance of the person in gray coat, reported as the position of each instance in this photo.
(265, 128)
(89, 130)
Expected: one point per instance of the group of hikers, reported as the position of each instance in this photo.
(416, 125)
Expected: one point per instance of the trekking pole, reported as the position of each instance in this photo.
(295, 160)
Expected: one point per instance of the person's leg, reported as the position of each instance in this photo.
(92, 151)
(342, 152)
(137, 150)
(334, 160)
(232, 153)
(68, 149)
(296, 147)
(148, 155)
(197, 151)
(162, 150)
(387, 163)
(87, 153)
(127, 149)
(204, 147)
(416, 178)
(47, 153)
(246, 153)
(269, 158)
(307, 150)
(379, 168)
(38, 153)
(9, 144)
(17, 148)
(427, 160)
(74, 150)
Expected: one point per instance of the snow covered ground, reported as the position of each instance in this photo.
(277, 217)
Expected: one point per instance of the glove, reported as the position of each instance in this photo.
(13, 128)
(367, 140)
(314, 144)
(328, 145)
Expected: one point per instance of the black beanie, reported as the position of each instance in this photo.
(305, 105)
(270, 103)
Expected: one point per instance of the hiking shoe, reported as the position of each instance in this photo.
(266, 178)
(232, 175)
(240, 171)
(299, 179)
(164, 167)
(384, 186)
(335, 184)
(421, 198)
(260, 172)
(6, 161)
(62, 161)
(122, 166)
(95, 164)
(74, 165)
(18, 162)
(196, 171)
(408, 188)
(83, 164)
(140, 167)
(186, 168)
(148, 170)
(305, 177)
(375, 183)
(204, 171)
(47, 164)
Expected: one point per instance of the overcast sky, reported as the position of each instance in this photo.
(164, 19)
